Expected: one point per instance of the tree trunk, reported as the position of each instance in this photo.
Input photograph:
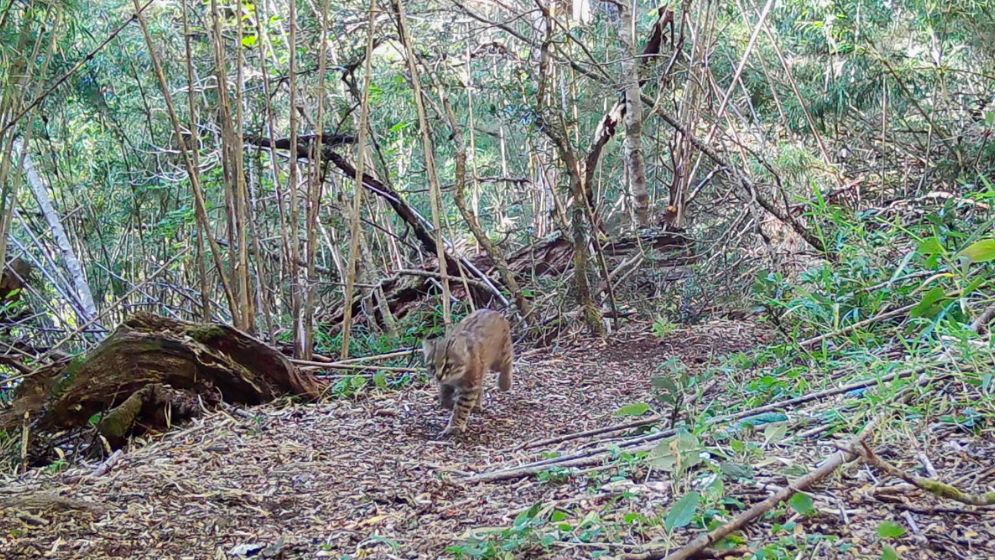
(635, 165)
(429, 151)
(86, 310)
(355, 217)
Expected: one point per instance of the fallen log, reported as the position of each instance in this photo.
(151, 372)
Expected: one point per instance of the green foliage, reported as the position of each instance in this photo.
(682, 512)
(634, 409)
(890, 530)
(802, 503)
(663, 327)
(523, 535)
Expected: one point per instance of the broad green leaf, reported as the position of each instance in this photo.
(765, 418)
(889, 553)
(680, 452)
(736, 470)
(664, 382)
(927, 307)
(634, 409)
(681, 514)
(774, 433)
(559, 515)
(890, 530)
(802, 503)
(523, 518)
(249, 41)
(980, 251)
(930, 246)
(663, 460)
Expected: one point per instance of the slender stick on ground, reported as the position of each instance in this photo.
(931, 485)
(646, 442)
(829, 465)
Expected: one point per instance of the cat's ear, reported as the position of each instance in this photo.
(428, 347)
(457, 348)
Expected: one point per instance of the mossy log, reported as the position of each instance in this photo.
(150, 371)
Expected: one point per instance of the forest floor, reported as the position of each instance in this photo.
(366, 478)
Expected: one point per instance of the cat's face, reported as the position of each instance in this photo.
(445, 359)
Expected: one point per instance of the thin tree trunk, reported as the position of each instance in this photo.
(296, 302)
(235, 187)
(193, 146)
(433, 178)
(355, 218)
(85, 308)
(580, 235)
(471, 220)
(287, 267)
(313, 200)
(635, 164)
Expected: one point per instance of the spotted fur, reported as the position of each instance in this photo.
(459, 361)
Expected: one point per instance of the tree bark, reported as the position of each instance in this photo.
(132, 367)
(635, 164)
(83, 304)
(429, 154)
(471, 221)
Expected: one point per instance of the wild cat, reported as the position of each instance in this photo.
(459, 361)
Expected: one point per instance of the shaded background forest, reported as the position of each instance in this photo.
(779, 212)
(578, 162)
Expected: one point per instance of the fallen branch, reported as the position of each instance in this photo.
(433, 274)
(850, 328)
(378, 357)
(981, 323)
(829, 465)
(931, 485)
(305, 365)
(647, 442)
(849, 452)
(587, 433)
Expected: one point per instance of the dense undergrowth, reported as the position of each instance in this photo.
(896, 311)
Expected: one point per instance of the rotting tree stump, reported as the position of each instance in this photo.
(151, 372)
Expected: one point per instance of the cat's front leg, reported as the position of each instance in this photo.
(446, 396)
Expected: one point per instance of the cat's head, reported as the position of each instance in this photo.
(445, 358)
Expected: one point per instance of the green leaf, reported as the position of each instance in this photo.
(681, 514)
(523, 518)
(930, 246)
(559, 515)
(774, 433)
(765, 418)
(980, 251)
(802, 503)
(890, 530)
(634, 409)
(249, 41)
(889, 553)
(665, 383)
(736, 470)
(927, 307)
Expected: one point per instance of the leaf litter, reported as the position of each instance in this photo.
(366, 478)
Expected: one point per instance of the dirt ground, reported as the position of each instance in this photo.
(366, 477)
